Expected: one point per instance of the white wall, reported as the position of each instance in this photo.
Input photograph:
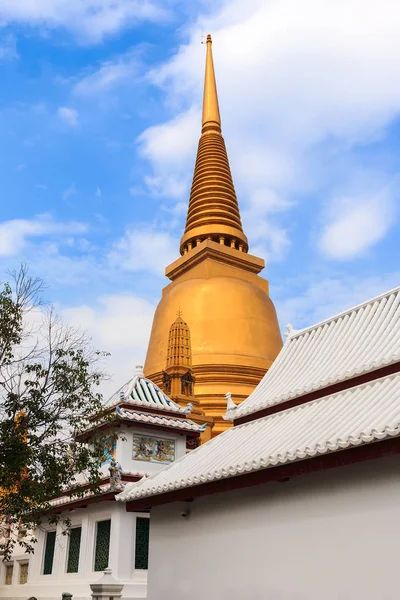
(332, 535)
(125, 449)
(122, 540)
(121, 558)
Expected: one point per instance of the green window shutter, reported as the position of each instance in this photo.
(49, 552)
(142, 543)
(102, 545)
(74, 549)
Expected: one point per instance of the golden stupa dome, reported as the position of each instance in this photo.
(229, 317)
(233, 324)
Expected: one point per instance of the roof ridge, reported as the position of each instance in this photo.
(143, 385)
(298, 332)
(366, 417)
(352, 389)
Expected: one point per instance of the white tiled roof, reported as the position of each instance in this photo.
(354, 342)
(144, 393)
(359, 415)
(103, 489)
(165, 421)
(82, 479)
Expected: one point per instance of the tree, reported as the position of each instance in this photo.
(48, 379)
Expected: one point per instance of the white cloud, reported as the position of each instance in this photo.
(90, 20)
(356, 224)
(171, 149)
(108, 75)
(144, 250)
(69, 192)
(167, 187)
(8, 48)
(172, 142)
(289, 82)
(69, 115)
(15, 234)
(327, 296)
(273, 243)
(259, 222)
(119, 324)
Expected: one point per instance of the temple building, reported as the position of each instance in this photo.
(301, 498)
(216, 284)
(153, 431)
(295, 492)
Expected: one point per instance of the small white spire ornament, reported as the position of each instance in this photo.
(229, 402)
(230, 407)
(290, 331)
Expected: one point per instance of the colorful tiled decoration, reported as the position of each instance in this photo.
(153, 449)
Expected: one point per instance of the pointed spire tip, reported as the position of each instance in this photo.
(211, 119)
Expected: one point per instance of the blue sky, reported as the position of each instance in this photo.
(100, 119)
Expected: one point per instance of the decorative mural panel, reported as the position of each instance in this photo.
(102, 545)
(142, 543)
(9, 574)
(153, 449)
(74, 549)
(23, 573)
(49, 552)
(110, 449)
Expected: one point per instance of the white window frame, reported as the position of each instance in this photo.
(21, 563)
(10, 563)
(46, 531)
(96, 520)
(73, 526)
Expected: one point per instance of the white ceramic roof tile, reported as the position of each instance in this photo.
(354, 342)
(144, 393)
(165, 421)
(359, 415)
(103, 489)
(82, 479)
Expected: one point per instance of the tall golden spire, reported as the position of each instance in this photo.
(211, 117)
(213, 207)
(234, 332)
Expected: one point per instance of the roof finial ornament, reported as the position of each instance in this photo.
(138, 371)
(230, 407)
(229, 402)
(179, 312)
(211, 116)
(290, 331)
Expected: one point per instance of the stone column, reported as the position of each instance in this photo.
(107, 587)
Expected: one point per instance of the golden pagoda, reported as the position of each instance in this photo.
(178, 381)
(233, 325)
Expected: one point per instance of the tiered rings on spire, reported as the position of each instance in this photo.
(213, 207)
